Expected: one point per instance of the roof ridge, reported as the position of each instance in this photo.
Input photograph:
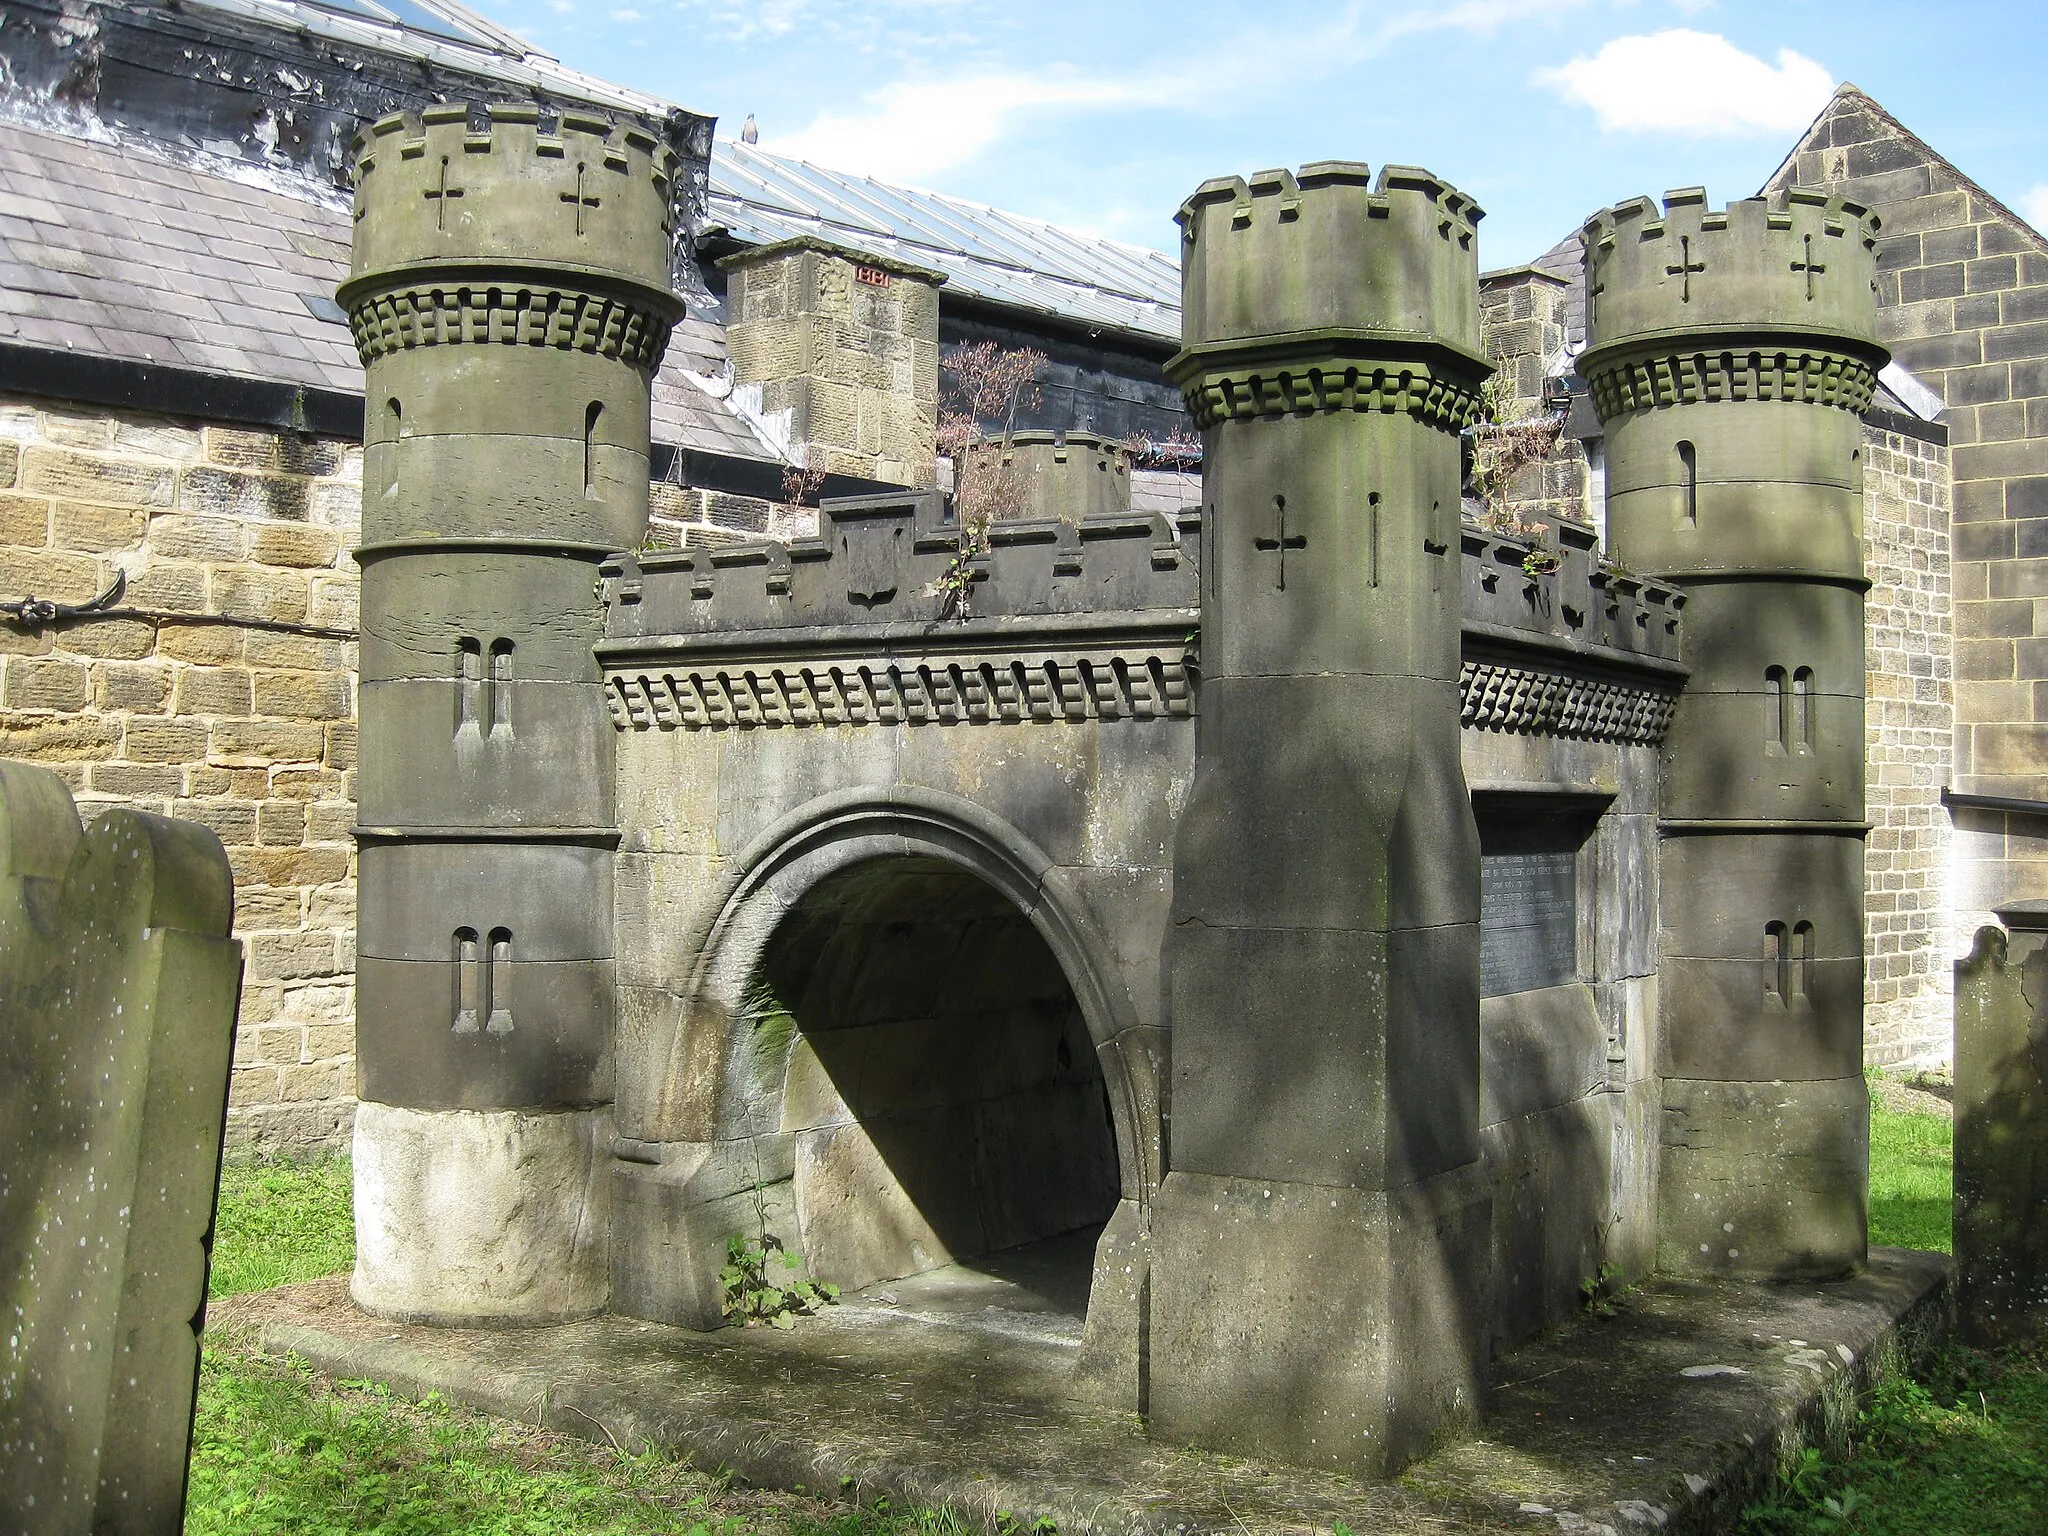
(1847, 90)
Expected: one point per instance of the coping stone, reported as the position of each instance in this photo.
(1671, 1416)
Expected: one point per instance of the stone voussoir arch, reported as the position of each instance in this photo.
(839, 830)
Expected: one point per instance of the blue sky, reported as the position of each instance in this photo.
(1103, 115)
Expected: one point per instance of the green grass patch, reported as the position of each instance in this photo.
(278, 1450)
(280, 1220)
(1911, 1181)
(1963, 1452)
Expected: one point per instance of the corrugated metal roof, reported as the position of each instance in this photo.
(760, 197)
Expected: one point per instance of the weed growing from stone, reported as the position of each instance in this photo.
(762, 1282)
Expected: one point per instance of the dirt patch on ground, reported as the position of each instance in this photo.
(1920, 1093)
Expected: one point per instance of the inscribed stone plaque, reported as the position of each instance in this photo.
(1528, 906)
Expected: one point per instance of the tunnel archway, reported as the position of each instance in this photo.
(941, 1087)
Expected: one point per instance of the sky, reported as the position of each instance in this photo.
(1102, 116)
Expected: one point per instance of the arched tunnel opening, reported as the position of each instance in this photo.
(947, 1104)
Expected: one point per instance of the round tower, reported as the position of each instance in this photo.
(509, 295)
(1730, 356)
(1323, 1227)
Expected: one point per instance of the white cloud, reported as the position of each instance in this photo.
(1692, 82)
(916, 130)
(626, 15)
(2034, 204)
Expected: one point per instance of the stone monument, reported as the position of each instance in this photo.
(2001, 1140)
(510, 299)
(118, 987)
(1321, 1234)
(1730, 355)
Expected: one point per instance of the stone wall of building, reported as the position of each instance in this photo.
(1963, 295)
(1909, 723)
(235, 708)
(1523, 313)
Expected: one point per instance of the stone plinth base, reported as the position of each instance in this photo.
(1324, 1327)
(480, 1217)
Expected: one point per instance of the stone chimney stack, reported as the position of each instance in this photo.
(845, 346)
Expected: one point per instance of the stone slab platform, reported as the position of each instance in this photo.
(1667, 1417)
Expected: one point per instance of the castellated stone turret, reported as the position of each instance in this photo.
(1730, 356)
(510, 299)
(1323, 958)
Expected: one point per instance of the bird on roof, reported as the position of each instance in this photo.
(749, 132)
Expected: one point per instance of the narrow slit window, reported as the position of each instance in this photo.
(1802, 710)
(469, 673)
(498, 984)
(1800, 971)
(1777, 964)
(1372, 537)
(498, 701)
(1777, 710)
(468, 980)
(590, 417)
(394, 428)
(1689, 480)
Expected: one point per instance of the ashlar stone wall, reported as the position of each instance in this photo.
(1909, 724)
(235, 709)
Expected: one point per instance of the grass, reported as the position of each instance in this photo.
(1910, 1189)
(1960, 1451)
(280, 1451)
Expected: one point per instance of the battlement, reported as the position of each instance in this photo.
(458, 188)
(901, 560)
(1056, 476)
(1802, 262)
(1329, 248)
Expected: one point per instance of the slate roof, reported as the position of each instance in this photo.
(759, 197)
(123, 252)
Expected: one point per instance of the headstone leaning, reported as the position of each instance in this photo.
(118, 988)
(509, 296)
(1730, 356)
(2001, 1140)
(1320, 1240)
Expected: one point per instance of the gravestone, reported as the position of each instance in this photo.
(2001, 1137)
(118, 988)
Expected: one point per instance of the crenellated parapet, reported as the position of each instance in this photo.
(465, 188)
(903, 561)
(1767, 299)
(1326, 290)
(1557, 641)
